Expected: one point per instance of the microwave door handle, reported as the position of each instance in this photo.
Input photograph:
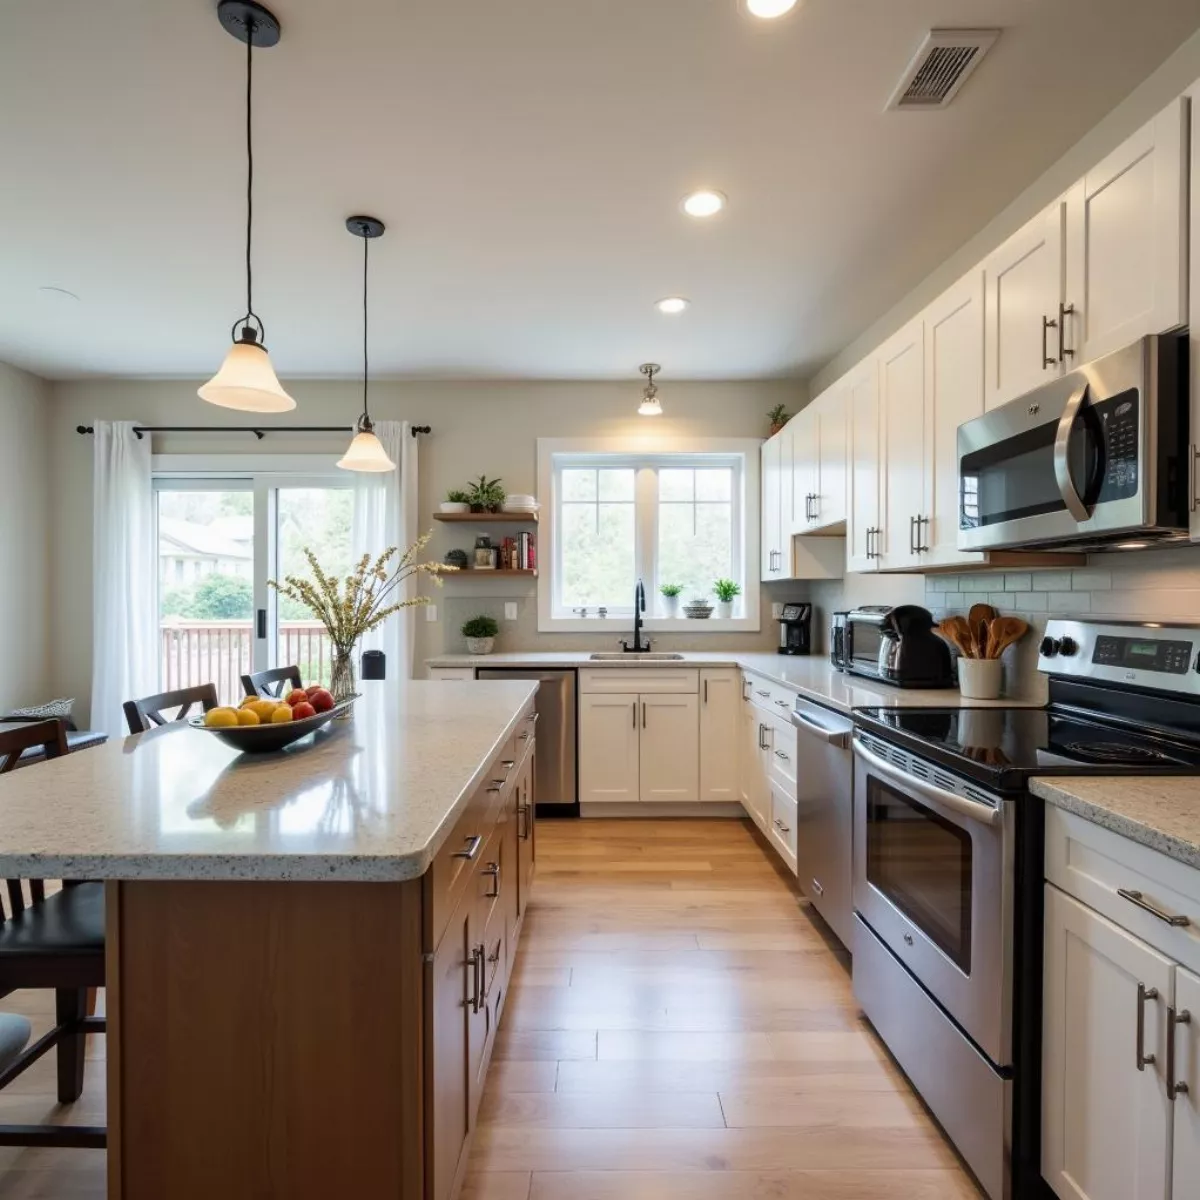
(983, 814)
(1062, 465)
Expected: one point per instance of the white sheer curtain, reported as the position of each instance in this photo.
(385, 514)
(124, 659)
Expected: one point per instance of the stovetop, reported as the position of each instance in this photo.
(1003, 747)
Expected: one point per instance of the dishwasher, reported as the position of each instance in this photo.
(555, 784)
(824, 813)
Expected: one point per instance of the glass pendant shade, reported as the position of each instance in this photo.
(246, 381)
(366, 453)
(650, 407)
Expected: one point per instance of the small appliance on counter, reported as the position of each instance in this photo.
(837, 639)
(893, 645)
(795, 629)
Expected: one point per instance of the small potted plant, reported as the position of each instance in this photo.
(778, 416)
(726, 592)
(456, 501)
(480, 633)
(670, 593)
(486, 495)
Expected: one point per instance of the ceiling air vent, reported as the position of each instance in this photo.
(941, 66)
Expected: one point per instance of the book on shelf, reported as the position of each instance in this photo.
(519, 553)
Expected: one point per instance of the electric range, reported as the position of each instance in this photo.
(948, 869)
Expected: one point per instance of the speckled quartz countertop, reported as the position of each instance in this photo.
(372, 798)
(812, 675)
(1160, 812)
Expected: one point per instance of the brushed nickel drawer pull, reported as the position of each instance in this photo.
(492, 869)
(1175, 1087)
(473, 844)
(780, 754)
(1178, 921)
(1143, 994)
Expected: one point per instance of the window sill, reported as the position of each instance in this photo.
(622, 627)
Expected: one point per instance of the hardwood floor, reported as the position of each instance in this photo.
(677, 1028)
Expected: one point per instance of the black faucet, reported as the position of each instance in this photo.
(639, 607)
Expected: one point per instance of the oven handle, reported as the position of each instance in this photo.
(983, 814)
(1062, 466)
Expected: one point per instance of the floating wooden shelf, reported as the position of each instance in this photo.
(509, 518)
(472, 571)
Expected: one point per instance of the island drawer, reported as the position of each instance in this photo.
(456, 862)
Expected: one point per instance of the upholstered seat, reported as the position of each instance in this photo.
(68, 922)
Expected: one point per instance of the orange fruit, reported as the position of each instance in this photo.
(220, 718)
(282, 713)
(247, 716)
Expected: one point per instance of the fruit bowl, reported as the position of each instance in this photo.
(260, 739)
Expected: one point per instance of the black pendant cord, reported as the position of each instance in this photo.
(251, 315)
(366, 414)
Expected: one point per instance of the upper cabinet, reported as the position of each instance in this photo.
(904, 495)
(863, 467)
(1193, 98)
(772, 509)
(819, 463)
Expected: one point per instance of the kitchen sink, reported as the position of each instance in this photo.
(623, 656)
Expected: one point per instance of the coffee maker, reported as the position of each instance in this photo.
(795, 629)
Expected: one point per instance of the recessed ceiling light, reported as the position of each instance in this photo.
(672, 304)
(704, 203)
(769, 9)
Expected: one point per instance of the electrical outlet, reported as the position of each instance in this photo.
(431, 612)
(510, 610)
(776, 612)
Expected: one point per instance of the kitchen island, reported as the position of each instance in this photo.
(306, 952)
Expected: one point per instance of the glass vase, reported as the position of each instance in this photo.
(342, 681)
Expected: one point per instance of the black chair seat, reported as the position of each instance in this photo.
(69, 922)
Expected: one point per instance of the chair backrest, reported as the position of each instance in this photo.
(49, 735)
(141, 714)
(274, 683)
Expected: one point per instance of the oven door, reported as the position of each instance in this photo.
(1068, 462)
(933, 878)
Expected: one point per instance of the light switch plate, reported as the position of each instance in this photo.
(431, 612)
(510, 610)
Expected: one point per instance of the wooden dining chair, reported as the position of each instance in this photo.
(52, 941)
(274, 684)
(141, 714)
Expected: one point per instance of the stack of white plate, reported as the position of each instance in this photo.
(516, 502)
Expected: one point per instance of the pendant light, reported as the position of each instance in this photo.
(366, 452)
(246, 380)
(651, 406)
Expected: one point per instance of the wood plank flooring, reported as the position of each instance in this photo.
(678, 1028)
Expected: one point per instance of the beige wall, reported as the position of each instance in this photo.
(25, 676)
(477, 427)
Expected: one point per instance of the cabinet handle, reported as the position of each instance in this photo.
(634, 707)
(643, 714)
(1048, 323)
(780, 754)
(1064, 311)
(762, 693)
(473, 844)
(912, 535)
(1143, 994)
(922, 545)
(747, 688)
(508, 764)
(816, 886)
(523, 822)
(782, 703)
(493, 869)
(1175, 919)
(476, 964)
(816, 505)
(783, 828)
(1175, 1087)
(761, 744)
(706, 691)
(1193, 454)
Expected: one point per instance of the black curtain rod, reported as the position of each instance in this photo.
(258, 433)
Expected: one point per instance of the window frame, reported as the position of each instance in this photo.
(743, 454)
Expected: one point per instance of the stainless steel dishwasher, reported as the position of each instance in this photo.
(555, 783)
(825, 813)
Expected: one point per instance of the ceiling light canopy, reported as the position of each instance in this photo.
(769, 9)
(650, 406)
(704, 203)
(366, 452)
(246, 380)
(672, 304)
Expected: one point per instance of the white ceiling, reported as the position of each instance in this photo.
(529, 157)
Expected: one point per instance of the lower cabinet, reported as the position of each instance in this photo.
(752, 779)
(767, 764)
(609, 745)
(670, 748)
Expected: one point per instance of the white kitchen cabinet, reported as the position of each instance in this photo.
(670, 748)
(902, 454)
(782, 830)
(1186, 1140)
(819, 463)
(1126, 234)
(720, 709)
(863, 507)
(804, 429)
(771, 516)
(609, 741)
(1024, 280)
(752, 780)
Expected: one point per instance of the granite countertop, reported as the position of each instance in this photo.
(814, 676)
(1162, 812)
(372, 798)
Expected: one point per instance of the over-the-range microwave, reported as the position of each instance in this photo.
(1095, 459)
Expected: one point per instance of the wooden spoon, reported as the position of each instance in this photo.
(958, 632)
(1002, 632)
(979, 618)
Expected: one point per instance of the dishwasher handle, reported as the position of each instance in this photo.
(832, 737)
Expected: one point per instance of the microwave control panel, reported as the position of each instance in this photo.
(1118, 416)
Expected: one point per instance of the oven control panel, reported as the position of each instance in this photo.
(1143, 654)
(1138, 654)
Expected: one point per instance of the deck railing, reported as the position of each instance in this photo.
(193, 652)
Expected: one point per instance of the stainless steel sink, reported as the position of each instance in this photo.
(622, 656)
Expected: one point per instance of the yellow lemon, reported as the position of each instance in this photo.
(246, 717)
(263, 708)
(248, 700)
(281, 714)
(218, 718)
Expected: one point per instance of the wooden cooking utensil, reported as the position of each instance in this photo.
(956, 631)
(979, 618)
(1002, 632)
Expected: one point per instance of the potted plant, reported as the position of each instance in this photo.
(670, 593)
(485, 495)
(726, 591)
(480, 633)
(778, 416)
(457, 501)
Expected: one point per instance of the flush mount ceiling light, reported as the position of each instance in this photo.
(704, 203)
(672, 304)
(246, 380)
(366, 452)
(650, 406)
(769, 9)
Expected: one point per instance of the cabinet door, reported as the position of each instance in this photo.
(829, 507)
(511, 861)
(1186, 1142)
(953, 395)
(670, 753)
(526, 836)
(862, 520)
(771, 512)
(609, 728)
(902, 445)
(1105, 1132)
(1024, 280)
(451, 994)
(805, 450)
(1126, 270)
(720, 706)
(787, 496)
(782, 830)
(753, 779)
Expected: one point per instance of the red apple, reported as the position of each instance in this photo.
(300, 711)
(295, 696)
(312, 689)
(321, 700)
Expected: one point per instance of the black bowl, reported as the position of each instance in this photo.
(259, 739)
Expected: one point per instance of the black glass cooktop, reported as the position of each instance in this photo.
(1007, 745)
